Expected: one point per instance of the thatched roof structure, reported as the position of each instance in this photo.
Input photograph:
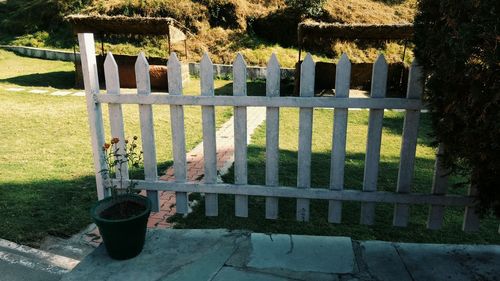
(317, 31)
(120, 24)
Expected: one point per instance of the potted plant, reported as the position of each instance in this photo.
(122, 217)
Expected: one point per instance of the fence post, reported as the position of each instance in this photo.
(240, 134)
(471, 219)
(91, 83)
(147, 128)
(376, 118)
(209, 139)
(439, 187)
(307, 73)
(272, 135)
(342, 86)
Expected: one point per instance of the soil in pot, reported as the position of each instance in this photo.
(123, 210)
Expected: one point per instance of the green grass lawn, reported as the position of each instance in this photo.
(46, 176)
(356, 146)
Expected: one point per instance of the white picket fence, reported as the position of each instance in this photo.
(272, 190)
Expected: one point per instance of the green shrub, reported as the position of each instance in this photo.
(223, 13)
(308, 8)
(457, 44)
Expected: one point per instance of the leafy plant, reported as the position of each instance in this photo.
(308, 8)
(457, 44)
(118, 157)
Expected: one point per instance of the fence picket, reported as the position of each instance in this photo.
(471, 218)
(94, 110)
(307, 73)
(178, 134)
(115, 110)
(240, 134)
(439, 187)
(376, 117)
(147, 128)
(272, 135)
(342, 86)
(409, 144)
(209, 140)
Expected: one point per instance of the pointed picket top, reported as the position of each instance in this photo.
(173, 60)
(174, 75)
(273, 77)
(142, 75)
(380, 61)
(206, 76)
(379, 77)
(343, 77)
(415, 83)
(307, 72)
(239, 76)
(111, 76)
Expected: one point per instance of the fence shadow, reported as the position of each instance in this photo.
(56, 79)
(34, 209)
(318, 224)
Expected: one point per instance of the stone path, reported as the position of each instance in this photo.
(222, 255)
(48, 92)
(195, 169)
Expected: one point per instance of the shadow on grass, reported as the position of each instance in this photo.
(318, 224)
(255, 88)
(393, 124)
(32, 210)
(56, 79)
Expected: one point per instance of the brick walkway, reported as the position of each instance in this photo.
(225, 159)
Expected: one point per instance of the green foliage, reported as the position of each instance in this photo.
(457, 44)
(308, 8)
(222, 13)
(19, 17)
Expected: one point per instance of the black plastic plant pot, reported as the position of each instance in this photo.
(123, 238)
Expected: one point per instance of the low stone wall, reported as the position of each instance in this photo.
(43, 53)
(253, 72)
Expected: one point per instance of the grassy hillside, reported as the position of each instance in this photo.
(221, 27)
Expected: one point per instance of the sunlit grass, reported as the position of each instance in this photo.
(47, 181)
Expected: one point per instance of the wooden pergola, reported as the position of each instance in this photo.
(316, 34)
(310, 33)
(103, 25)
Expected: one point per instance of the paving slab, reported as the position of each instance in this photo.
(450, 262)
(233, 274)
(303, 253)
(35, 91)
(169, 254)
(15, 89)
(61, 93)
(383, 261)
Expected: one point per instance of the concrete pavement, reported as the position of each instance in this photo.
(222, 255)
(22, 263)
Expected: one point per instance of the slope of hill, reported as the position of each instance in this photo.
(221, 27)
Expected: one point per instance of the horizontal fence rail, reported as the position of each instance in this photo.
(309, 193)
(335, 193)
(320, 102)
